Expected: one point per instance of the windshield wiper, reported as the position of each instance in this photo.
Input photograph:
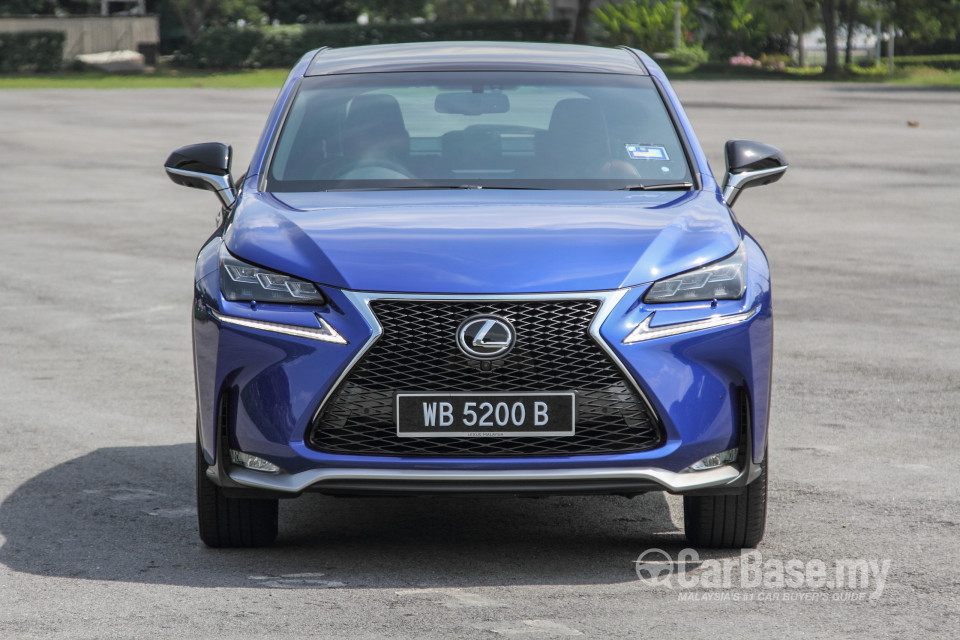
(424, 187)
(661, 186)
(657, 186)
(413, 187)
(517, 188)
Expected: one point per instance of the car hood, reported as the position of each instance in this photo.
(482, 241)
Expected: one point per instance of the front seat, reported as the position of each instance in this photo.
(577, 143)
(374, 130)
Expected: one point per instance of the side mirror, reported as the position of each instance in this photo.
(204, 166)
(750, 164)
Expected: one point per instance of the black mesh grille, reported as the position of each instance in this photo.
(418, 352)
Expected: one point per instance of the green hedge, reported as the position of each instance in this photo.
(945, 62)
(255, 47)
(31, 51)
(927, 47)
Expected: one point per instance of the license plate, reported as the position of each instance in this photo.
(484, 415)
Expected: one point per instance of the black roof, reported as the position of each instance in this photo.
(474, 56)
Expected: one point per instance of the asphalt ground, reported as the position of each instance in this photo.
(97, 521)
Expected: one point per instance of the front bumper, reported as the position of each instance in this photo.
(258, 392)
(537, 481)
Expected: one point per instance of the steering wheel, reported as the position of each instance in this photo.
(372, 163)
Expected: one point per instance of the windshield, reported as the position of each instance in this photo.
(491, 130)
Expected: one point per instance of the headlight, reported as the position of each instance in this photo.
(722, 280)
(242, 282)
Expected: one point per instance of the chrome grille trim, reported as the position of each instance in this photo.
(362, 300)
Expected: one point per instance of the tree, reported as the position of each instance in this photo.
(647, 24)
(310, 11)
(926, 23)
(848, 9)
(28, 7)
(807, 17)
(828, 10)
(193, 15)
(531, 9)
(580, 22)
(793, 18)
(392, 10)
(734, 26)
(483, 9)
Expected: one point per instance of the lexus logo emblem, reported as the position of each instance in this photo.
(486, 337)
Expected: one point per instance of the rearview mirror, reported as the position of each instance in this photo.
(204, 166)
(750, 164)
(468, 103)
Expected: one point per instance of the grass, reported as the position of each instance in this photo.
(164, 79)
(273, 78)
(927, 77)
(950, 61)
(903, 75)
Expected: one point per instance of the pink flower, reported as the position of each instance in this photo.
(742, 60)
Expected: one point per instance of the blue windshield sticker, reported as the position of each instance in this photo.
(646, 152)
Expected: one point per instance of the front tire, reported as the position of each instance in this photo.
(728, 521)
(232, 522)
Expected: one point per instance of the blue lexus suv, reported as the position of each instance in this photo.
(480, 268)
